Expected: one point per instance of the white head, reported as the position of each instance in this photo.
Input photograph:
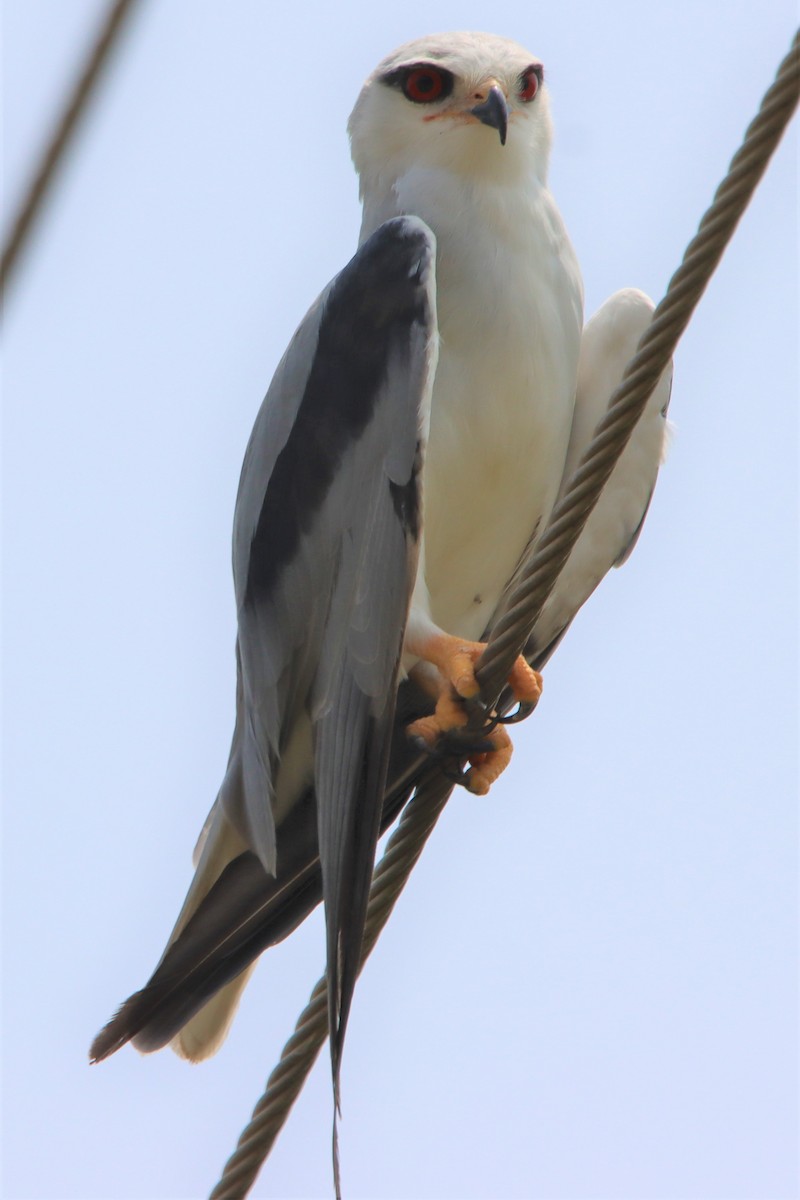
(469, 103)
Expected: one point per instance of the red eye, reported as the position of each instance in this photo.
(529, 83)
(423, 85)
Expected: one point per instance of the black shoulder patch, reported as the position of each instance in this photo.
(370, 308)
(406, 498)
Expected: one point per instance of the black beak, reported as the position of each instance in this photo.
(494, 112)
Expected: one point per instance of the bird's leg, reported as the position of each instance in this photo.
(453, 684)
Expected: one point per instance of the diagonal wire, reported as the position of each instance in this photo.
(62, 135)
(300, 1052)
(537, 580)
(641, 375)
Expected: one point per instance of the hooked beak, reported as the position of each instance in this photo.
(494, 111)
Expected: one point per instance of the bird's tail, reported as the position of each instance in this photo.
(192, 995)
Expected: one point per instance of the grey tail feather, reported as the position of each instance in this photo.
(244, 912)
(119, 1030)
(337, 1021)
(270, 920)
(337, 1179)
(346, 914)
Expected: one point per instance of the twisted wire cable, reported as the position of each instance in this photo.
(300, 1052)
(63, 133)
(654, 351)
(536, 582)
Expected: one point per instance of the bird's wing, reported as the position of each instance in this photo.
(325, 538)
(246, 911)
(609, 341)
(354, 690)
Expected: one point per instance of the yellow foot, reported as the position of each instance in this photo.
(456, 660)
(486, 766)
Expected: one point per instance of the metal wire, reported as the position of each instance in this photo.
(537, 580)
(63, 133)
(641, 375)
(300, 1052)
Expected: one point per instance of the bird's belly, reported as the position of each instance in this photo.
(508, 296)
(500, 426)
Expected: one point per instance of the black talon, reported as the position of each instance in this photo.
(456, 773)
(452, 764)
(473, 707)
(524, 709)
(456, 743)
(491, 723)
(460, 743)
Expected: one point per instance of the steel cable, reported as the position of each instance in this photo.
(536, 581)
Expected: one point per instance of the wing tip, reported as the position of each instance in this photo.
(132, 1022)
(115, 1033)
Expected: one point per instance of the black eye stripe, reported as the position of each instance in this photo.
(398, 77)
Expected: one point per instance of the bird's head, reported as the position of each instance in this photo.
(470, 103)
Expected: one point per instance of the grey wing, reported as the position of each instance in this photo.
(329, 572)
(354, 696)
(320, 440)
(325, 540)
(609, 340)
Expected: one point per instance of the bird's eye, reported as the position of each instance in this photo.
(529, 82)
(423, 85)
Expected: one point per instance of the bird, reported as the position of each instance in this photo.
(421, 426)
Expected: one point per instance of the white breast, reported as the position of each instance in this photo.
(510, 313)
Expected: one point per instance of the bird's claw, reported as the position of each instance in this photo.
(448, 744)
(447, 735)
(455, 770)
(520, 713)
(488, 756)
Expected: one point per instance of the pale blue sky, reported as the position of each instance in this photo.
(589, 989)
